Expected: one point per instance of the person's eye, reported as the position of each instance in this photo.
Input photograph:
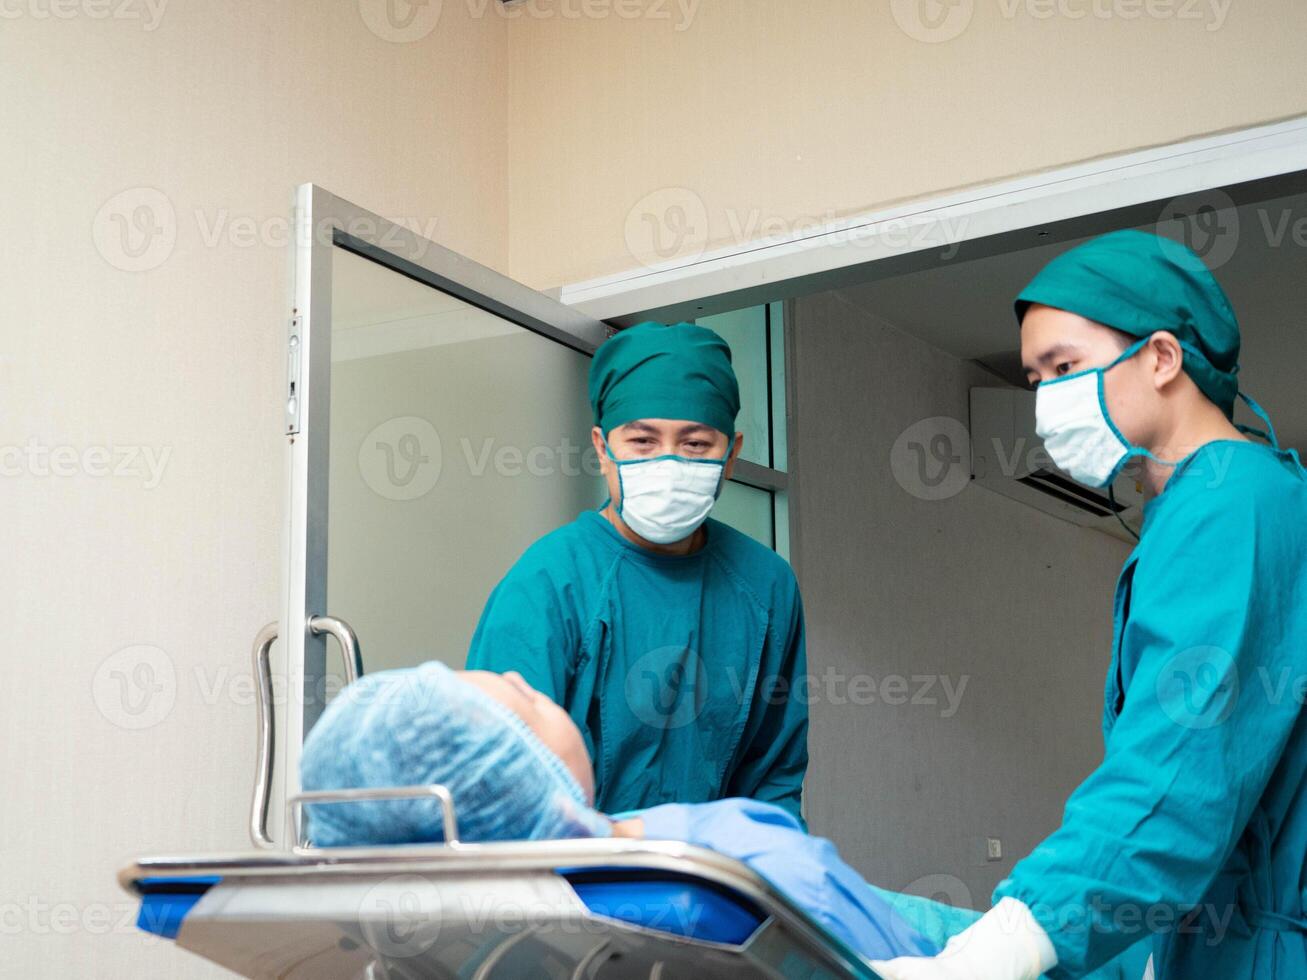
(1064, 368)
(696, 446)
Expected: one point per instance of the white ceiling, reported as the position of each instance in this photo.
(966, 308)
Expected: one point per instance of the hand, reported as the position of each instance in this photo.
(1006, 943)
(631, 827)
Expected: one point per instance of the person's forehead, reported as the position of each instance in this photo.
(1046, 331)
(495, 686)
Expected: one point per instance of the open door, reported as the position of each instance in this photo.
(437, 422)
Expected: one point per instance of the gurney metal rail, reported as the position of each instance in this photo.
(595, 908)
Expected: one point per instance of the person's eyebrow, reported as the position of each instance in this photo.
(693, 428)
(639, 426)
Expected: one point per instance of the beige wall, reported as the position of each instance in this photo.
(733, 119)
(199, 119)
(222, 108)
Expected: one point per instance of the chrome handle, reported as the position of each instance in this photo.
(266, 715)
(266, 722)
(448, 818)
(348, 640)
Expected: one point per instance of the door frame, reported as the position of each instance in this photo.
(322, 222)
(1061, 204)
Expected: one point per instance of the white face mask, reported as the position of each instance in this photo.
(666, 498)
(1071, 417)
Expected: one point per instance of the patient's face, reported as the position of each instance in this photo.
(550, 723)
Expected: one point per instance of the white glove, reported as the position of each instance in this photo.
(1006, 943)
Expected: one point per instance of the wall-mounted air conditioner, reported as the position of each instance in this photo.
(1009, 458)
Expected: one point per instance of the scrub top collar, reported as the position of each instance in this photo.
(1183, 467)
(594, 517)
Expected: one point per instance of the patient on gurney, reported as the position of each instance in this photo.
(518, 769)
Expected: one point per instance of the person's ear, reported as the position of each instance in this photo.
(597, 440)
(1168, 358)
(735, 454)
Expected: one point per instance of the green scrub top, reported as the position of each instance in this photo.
(1194, 827)
(686, 674)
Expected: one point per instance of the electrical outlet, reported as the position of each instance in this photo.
(993, 849)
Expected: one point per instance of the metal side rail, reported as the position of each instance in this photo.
(595, 908)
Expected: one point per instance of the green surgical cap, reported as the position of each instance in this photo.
(1140, 283)
(656, 371)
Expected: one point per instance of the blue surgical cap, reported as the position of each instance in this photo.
(1140, 283)
(656, 371)
(426, 725)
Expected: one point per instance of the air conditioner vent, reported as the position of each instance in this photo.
(1070, 492)
(1008, 457)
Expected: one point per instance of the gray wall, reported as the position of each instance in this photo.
(973, 589)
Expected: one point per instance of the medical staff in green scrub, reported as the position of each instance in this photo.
(672, 640)
(1192, 833)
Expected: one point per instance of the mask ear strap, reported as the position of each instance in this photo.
(1269, 434)
(721, 480)
(1130, 351)
(608, 451)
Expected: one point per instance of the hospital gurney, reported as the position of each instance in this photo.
(593, 908)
